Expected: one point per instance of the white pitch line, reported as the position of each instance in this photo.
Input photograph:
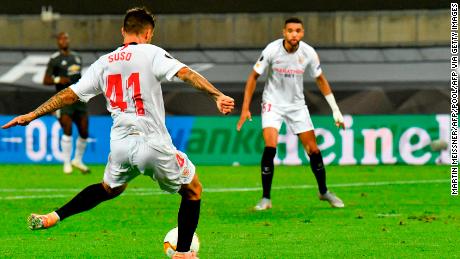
(23, 197)
(148, 191)
(339, 185)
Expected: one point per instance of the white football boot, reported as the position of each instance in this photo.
(264, 204)
(335, 201)
(80, 166)
(67, 168)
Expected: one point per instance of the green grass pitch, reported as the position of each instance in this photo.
(391, 212)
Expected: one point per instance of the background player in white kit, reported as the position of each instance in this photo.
(129, 78)
(283, 99)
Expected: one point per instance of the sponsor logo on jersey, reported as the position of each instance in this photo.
(261, 58)
(288, 71)
(73, 70)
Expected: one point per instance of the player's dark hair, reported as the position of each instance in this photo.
(293, 20)
(137, 19)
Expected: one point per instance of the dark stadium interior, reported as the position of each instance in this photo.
(377, 60)
(212, 6)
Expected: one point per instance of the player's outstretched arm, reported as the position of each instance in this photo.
(248, 92)
(225, 104)
(325, 89)
(57, 101)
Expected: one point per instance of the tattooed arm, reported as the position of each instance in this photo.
(198, 81)
(59, 100)
(225, 104)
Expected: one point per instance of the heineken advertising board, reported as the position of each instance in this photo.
(369, 139)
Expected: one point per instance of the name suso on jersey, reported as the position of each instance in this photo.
(120, 56)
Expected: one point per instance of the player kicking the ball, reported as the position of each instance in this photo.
(129, 77)
(286, 60)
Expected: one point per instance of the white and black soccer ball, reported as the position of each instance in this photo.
(170, 242)
(438, 145)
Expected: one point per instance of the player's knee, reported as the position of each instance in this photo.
(192, 191)
(114, 192)
(195, 191)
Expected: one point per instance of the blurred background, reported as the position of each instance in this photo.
(383, 58)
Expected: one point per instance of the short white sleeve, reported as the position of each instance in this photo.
(165, 66)
(263, 62)
(88, 85)
(314, 68)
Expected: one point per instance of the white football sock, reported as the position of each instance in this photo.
(66, 145)
(80, 149)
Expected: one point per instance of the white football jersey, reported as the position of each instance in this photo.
(130, 79)
(284, 84)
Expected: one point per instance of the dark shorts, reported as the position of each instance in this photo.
(74, 110)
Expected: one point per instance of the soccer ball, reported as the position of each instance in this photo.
(170, 242)
(438, 145)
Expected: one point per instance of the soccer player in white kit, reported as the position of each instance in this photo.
(129, 78)
(283, 100)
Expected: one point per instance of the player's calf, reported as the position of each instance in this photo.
(189, 214)
(317, 166)
(267, 169)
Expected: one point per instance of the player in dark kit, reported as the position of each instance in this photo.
(63, 70)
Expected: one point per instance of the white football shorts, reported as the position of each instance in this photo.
(297, 119)
(137, 154)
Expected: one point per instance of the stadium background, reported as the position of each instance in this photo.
(387, 61)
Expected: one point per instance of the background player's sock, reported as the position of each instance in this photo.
(87, 199)
(66, 145)
(80, 149)
(267, 169)
(187, 219)
(317, 166)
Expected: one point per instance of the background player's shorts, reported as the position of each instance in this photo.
(136, 155)
(297, 119)
(76, 109)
